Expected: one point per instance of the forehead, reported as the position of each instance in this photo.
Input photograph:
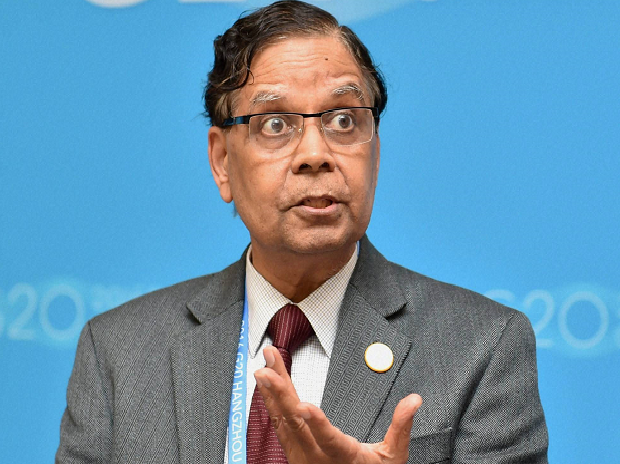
(302, 70)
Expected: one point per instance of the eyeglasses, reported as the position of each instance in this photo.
(340, 126)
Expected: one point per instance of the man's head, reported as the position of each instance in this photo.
(302, 184)
(235, 49)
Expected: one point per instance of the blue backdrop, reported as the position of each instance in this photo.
(499, 173)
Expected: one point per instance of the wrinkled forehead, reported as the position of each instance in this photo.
(291, 70)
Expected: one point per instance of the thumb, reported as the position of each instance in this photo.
(397, 437)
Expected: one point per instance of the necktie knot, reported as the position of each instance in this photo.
(289, 328)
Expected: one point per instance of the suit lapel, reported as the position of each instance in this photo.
(202, 367)
(354, 394)
(203, 358)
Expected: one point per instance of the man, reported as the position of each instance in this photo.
(294, 101)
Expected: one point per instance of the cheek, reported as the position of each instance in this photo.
(255, 183)
(362, 181)
(369, 171)
(240, 169)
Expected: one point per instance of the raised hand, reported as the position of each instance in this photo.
(308, 437)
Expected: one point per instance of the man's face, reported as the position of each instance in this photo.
(311, 197)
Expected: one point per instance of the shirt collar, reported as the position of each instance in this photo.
(321, 307)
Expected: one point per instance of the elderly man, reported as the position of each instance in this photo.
(312, 348)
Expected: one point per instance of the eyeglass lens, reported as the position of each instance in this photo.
(344, 127)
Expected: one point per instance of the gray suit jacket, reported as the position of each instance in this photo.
(152, 379)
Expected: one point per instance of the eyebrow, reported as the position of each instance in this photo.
(264, 97)
(349, 88)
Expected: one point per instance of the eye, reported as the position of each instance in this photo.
(274, 125)
(344, 121)
(340, 121)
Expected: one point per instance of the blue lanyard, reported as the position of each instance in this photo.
(237, 426)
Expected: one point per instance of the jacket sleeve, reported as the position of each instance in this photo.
(504, 421)
(86, 426)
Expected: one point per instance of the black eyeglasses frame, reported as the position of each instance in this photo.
(245, 119)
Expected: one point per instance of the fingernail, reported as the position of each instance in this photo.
(269, 358)
(261, 381)
(305, 413)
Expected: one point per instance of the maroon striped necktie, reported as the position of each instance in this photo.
(288, 329)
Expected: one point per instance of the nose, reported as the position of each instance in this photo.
(312, 153)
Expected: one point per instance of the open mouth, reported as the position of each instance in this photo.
(317, 203)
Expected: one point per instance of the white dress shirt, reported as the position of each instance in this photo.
(311, 358)
(321, 307)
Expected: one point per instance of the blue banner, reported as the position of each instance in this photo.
(499, 173)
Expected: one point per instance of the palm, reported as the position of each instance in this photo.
(308, 437)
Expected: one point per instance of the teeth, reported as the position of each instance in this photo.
(318, 203)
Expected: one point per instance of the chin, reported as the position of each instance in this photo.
(324, 241)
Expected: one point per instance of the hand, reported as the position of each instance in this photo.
(307, 436)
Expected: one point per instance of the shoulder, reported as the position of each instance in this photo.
(153, 304)
(168, 311)
(437, 296)
(438, 308)
(460, 320)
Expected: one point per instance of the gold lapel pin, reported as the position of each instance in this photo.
(379, 357)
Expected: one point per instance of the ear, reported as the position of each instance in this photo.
(218, 160)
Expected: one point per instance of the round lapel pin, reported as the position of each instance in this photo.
(379, 357)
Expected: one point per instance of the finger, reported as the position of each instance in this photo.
(274, 361)
(281, 401)
(397, 437)
(279, 395)
(275, 372)
(329, 439)
(278, 391)
(264, 377)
